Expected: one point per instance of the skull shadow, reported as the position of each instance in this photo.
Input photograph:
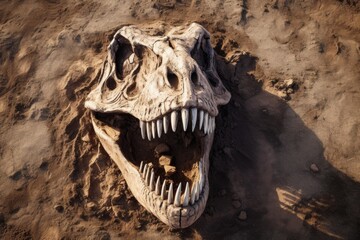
(261, 184)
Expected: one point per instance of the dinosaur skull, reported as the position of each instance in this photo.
(154, 112)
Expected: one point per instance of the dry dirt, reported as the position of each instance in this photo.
(285, 162)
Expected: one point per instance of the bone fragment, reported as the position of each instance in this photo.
(169, 170)
(165, 160)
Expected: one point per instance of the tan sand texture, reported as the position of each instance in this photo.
(285, 159)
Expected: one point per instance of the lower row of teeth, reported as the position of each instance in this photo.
(155, 128)
(189, 196)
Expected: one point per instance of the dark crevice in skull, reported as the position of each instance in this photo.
(200, 56)
(185, 148)
(172, 79)
(124, 59)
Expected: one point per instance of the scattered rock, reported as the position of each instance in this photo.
(59, 208)
(161, 149)
(165, 160)
(289, 83)
(169, 170)
(236, 204)
(242, 216)
(314, 168)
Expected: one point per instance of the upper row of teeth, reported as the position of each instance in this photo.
(190, 196)
(151, 128)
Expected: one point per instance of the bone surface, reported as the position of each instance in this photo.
(161, 85)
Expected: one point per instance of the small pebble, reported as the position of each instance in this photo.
(242, 216)
(314, 168)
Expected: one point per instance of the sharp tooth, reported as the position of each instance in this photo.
(144, 171)
(206, 123)
(185, 118)
(193, 194)
(141, 166)
(171, 194)
(210, 124)
(152, 179)
(148, 130)
(186, 195)
(202, 180)
(197, 191)
(214, 124)
(166, 123)
(157, 186)
(178, 196)
(143, 129)
(147, 176)
(193, 118)
(174, 120)
(163, 190)
(153, 129)
(159, 127)
(201, 119)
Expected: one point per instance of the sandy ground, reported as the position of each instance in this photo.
(293, 69)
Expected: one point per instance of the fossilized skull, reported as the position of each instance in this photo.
(154, 112)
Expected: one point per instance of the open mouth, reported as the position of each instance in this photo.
(168, 154)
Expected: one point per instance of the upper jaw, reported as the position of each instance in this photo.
(190, 118)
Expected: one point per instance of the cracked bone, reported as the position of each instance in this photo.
(154, 90)
(165, 160)
(169, 170)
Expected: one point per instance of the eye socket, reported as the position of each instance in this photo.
(124, 58)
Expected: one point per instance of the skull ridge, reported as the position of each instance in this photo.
(154, 112)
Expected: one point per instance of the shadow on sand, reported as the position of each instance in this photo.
(260, 164)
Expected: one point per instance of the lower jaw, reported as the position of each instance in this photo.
(173, 216)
